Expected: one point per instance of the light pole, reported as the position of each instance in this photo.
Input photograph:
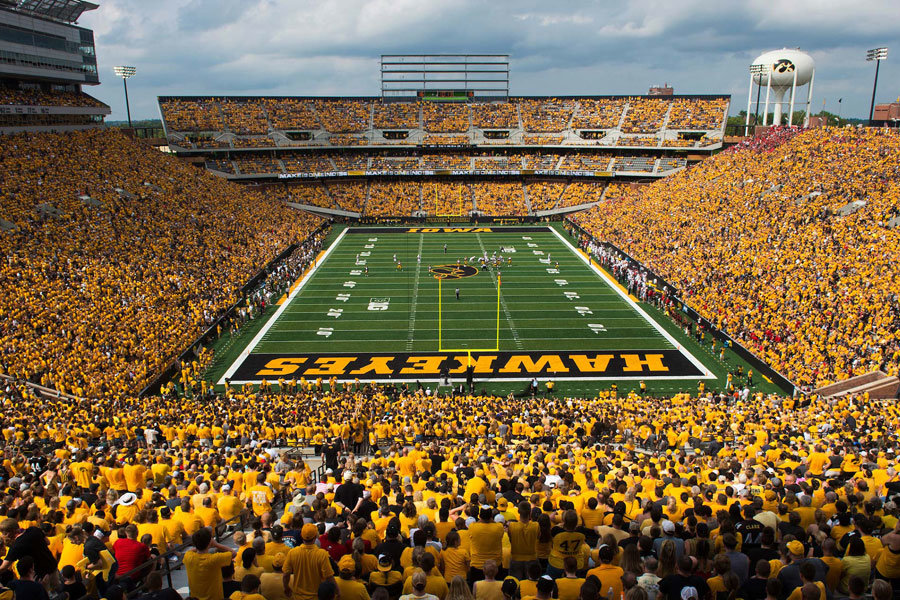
(757, 70)
(125, 73)
(878, 55)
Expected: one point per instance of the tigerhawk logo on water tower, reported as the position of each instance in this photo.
(783, 66)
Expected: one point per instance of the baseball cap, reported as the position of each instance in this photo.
(278, 560)
(668, 527)
(347, 563)
(309, 532)
(226, 488)
(385, 563)
(796, 548)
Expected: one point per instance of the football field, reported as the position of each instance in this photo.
(412, 303)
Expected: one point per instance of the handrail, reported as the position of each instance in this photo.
(44, 391)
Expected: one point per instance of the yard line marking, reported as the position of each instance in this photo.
(707, 374)
(272, 320)
(415, 299)
(509, 321)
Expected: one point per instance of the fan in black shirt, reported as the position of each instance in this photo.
(26, 588)
(30, 542)
(755, 587)
(670, 586)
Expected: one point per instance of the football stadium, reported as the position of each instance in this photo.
(442, 340)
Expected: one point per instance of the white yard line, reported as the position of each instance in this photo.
(707, 374)
(415, 297)
(262, 332)
(509, 320)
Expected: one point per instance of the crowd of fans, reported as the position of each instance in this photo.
(756, 241)
(544, 195)
(446, 198)
(119, 257)
(393, 198)
(645, 115)
(192, 115)
(291, 113)
(357, 115)
(307, 162)
(459, 496)
(495, 115)
(311, 192)
(245, 118)
(580, 192)
(36, 97)
(348, 195)
(697, 113)
(598, 114)
(499, 198)
(547, 114)
(396, 115)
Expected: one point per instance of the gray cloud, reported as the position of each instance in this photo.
(331, 47)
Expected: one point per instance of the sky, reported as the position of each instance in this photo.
(563, 47)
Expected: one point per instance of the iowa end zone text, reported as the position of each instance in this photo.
(507, 366)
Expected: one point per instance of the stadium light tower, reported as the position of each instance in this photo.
(125, 73)
(878, 55)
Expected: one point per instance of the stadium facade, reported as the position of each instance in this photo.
(45, 60)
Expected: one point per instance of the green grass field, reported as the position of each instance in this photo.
(358, 315)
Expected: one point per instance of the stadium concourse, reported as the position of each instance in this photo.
(118, 257)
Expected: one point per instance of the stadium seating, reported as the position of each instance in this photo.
(446, 198)
(645, 115)
(348, 195)
(543, 195)
(396, 115)
(549, 115)
(344, 115)
(307, 163)
(755, 241)
(10, 96)
(495, 115)
(249, 164)
(445, 118)
(99, 294)
(393, 199)
(291, 113)
(598, 114)
(697, 113)
(197, 115)
(312, 193)
(580, 192)
(244, 118)
(499, 198)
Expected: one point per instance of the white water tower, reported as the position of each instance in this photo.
(781, 71)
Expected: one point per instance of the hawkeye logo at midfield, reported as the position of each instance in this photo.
(385, 366)
(453, 271)
(449, 230)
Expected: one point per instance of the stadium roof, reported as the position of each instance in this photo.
(60, 10)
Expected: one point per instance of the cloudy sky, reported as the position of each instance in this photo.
(331, 47)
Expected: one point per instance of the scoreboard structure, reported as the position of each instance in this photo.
(445, 77)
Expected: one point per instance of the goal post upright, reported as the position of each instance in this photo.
(469, 351)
